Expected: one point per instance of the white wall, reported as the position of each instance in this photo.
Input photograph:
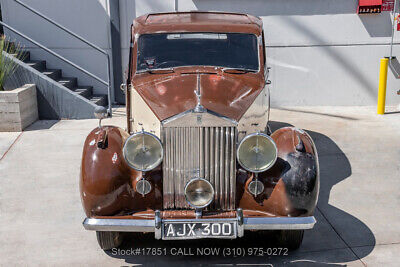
(321, 52)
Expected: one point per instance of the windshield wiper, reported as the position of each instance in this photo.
(157, 71)
(237, 70)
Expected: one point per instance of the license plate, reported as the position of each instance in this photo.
(195, 230)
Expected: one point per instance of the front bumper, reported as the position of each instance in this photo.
(243, 223)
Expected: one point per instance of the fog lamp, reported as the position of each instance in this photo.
(143, 187)
(143, 151)
(257, 152)
(199, 193)
(255, 187)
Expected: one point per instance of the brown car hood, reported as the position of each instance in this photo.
(227, 94)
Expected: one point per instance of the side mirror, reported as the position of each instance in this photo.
(100, 113)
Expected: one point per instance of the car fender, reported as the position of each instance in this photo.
(291, 185)
(107, 182)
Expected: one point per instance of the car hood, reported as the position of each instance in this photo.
(227, 94)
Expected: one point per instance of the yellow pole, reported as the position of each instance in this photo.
(382, 85)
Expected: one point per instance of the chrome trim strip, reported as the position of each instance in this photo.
(221, 168)
(216, 166)
(279, 223)
(119, 225)
(226, 169)
(232, 168)
(252, 223)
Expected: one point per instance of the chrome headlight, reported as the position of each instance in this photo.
(257, 152)
(143, 151)
(199, 193)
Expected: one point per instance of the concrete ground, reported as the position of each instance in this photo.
(358, 209)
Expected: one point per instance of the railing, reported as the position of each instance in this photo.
(108, 83)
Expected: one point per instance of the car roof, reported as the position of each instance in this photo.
(197, 21)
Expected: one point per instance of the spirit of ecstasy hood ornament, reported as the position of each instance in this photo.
(199, 107)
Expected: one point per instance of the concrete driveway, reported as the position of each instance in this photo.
(358, 209)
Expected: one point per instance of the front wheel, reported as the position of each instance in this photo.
(290, 239)
(109, 240)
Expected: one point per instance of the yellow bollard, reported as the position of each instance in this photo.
(382, 85)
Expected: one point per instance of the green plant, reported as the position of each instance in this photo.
(7, 66)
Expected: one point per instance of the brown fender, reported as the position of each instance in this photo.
(107, 183)
(291, 185)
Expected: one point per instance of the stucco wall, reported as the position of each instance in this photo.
(321, 52)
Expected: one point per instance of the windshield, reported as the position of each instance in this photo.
(169, 50)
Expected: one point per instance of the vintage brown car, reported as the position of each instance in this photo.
(198, 159)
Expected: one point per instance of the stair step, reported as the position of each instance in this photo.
(100, 100)
(36, 64)
(67, 82)
(53, 74)
(85, 91)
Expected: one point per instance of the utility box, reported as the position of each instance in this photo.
(369, 6)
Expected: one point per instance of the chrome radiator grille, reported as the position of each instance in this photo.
(205, 152)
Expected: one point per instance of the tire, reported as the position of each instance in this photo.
(109, 240)
(290, 239)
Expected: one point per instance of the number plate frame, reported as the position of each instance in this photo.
(197, 229)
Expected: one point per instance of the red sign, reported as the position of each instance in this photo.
(387, 5)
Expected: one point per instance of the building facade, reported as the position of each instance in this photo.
(320, 52)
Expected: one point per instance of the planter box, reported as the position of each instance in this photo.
(18, 108)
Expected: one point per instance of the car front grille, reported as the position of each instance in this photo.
(205, 152)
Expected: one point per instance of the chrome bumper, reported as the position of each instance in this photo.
(244, 223)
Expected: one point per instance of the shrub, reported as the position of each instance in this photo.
(7, 66)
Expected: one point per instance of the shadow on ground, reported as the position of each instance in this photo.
(322, 246)
(41, 125)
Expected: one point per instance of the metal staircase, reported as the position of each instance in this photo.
(59, 80)
(69, 82)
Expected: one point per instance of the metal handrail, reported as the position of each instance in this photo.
(108, 84)
(53, 53)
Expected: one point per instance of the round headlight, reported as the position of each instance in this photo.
(257, 152)
(143, 151)
(199, 193)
